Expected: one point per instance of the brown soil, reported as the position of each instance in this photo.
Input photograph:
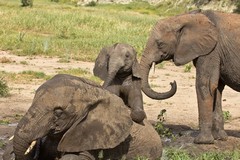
(181, 116)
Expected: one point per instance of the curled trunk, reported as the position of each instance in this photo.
(145, 67)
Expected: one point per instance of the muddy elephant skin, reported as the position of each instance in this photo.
(72, 117)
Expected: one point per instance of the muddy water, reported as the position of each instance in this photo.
(6, 131)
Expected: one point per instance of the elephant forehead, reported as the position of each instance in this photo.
(124, 48)
(57, 97)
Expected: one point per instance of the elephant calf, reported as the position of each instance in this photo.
(74, 118)
(118, 67)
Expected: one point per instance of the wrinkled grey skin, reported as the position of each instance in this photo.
(118, 67)
(212, 41)
(74, 117)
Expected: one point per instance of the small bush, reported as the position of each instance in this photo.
(26, 3)
(91, 4)
(226, 116)
(159, 127)
(4, 89)
(188, 67)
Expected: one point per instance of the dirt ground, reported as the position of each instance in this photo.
(181, 116)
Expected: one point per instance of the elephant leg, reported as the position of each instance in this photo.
(135, 101)
(207, 79)
(218, 121)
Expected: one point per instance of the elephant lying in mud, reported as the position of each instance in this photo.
(212, 41)
(74, 118)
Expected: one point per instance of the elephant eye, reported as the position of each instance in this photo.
(58, 112)
(160, 44)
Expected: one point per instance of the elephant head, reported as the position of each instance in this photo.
(181, 38)
(73, 106)
(117, 59)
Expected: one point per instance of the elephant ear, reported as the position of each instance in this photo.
(106, 125)
(197, 36)
(101, 64)
(136, 69)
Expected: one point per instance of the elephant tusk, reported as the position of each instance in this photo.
(11, 138)
(30, 147)
(153, 66)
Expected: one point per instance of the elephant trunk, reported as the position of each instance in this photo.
(26, 132)
(145, 67)
(115, 64)
(21, 140)
(109, 79)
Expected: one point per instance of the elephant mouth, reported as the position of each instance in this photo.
(166, 57)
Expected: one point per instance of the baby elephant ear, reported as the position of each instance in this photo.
(101, 64)
(107, 125)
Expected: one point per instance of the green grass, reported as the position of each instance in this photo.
(81, 73)
(4, 89)
(181, 154)
(2, 144)
(64, 30)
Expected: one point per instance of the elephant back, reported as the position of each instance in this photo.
(145, 140)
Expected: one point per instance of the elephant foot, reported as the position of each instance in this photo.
(204, 138)
(138, 115)
(220, 135)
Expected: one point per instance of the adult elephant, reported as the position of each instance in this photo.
(118, 67)
(212, 41)
(74, 117)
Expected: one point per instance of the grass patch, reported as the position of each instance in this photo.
(24, 77)
(2, 144)
(24, 62)
(181, 154)
(4, 122)
(5, 60)
(58, 29)
(81, 73)
(4, 89)
(34, 74)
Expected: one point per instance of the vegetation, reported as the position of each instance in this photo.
(26, 3)
(160, 128)
(226, 116)
(181, 154)
(24, 77)
(4, 89)
(64, 30)
(188, 67)
(81, 73)
(2, 144)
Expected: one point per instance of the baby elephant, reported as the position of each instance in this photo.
(118, 67)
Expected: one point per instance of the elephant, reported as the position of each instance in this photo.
(118, 67)
(74, 118)
(211, 40)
